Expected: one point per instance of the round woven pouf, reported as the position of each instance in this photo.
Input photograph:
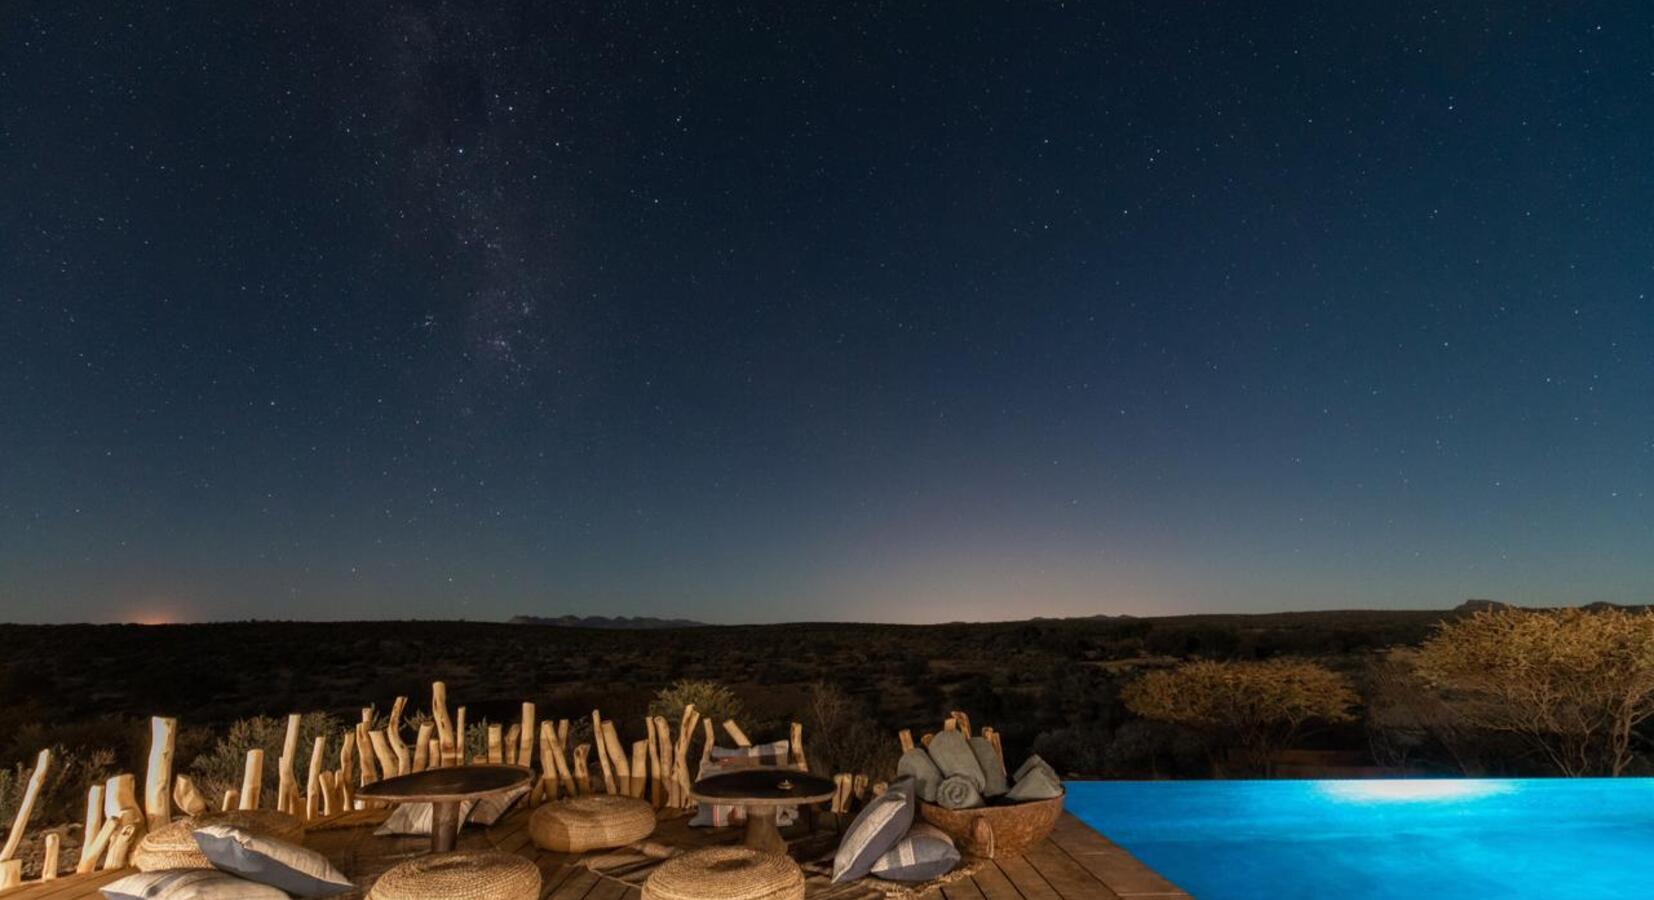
(172, 846)
(726, 873)
(594, 822)
(461, 875)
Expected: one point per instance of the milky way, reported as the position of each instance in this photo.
(772, 311)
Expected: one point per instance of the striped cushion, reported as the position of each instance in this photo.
(882, 822)
(927, 852)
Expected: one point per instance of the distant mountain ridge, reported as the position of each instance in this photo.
(618, 623)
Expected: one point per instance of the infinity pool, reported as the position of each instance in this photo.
(1355, 840)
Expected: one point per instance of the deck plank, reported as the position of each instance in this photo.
(1027, 879)
(1110, 863)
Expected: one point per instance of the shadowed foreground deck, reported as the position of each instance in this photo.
(1075, 863)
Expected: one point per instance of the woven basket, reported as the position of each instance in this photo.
(726, 873)
(595, 822)
(996, 832)
(172, 846)
(463, 875)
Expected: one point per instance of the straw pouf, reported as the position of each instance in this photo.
(593, 822)
(726, 873)
(172, 846)
(461, 875)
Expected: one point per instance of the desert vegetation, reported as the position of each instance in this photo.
(1480, 690)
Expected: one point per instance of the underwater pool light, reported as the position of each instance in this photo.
(1414, 790)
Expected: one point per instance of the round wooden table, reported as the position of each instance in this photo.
(445, 789)
(763, 792)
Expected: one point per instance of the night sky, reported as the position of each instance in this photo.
(781, 311)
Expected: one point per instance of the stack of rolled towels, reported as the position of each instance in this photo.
(959, 772)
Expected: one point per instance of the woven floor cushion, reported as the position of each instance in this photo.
(595, 822)
(172, 846)
(726, 873)
(462, 875)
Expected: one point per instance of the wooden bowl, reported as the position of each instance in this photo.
(995, 832)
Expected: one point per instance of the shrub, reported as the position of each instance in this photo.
(62, 796)
(714, 701)
(220, 769)
(1572, 684)
(1259, 707)
(843, 737)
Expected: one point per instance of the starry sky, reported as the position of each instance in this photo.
(752, 312)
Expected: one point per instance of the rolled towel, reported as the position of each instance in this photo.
(1038, 783)
(1031, 762)
(958, 792)
(926, 776)
(993, 771)
(953, 755)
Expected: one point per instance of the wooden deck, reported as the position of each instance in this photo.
(1075, 863)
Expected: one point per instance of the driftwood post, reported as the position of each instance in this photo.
(49, 859)
(284, 766)
(461, 736)
(558, 758)
(736, 734)
(94, 824)
(11, 874)
(582, 775)
(905, 736)
(657, 788)
(364, 755)
(422, 747)
(158, 777)
(382, 751)
(313, 802)
(444, 725)
(496, 745)
(37, 779)
(347, 759)
(186, 797)
(795, 740)
(393, 735)
(639, 769)
(120, 805)
(232, 800)
(252, 779)
(602, 752)
(525, 737)
(330, 793)
(617, 758)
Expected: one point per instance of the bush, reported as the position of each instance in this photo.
(62, 796)
(1257, 706)
(843, 737)
(714, 701)
(220, 769)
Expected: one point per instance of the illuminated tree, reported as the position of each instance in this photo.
(1572, 684)
(1256, 707)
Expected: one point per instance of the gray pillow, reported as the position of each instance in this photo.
(918, 764)
(1033, 762)
(954, 756)
(293, 869)
(1036, 784)
(881, 823)
(993, 771)
(188, 884)
(927, 852)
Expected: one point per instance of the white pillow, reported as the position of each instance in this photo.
(188, 884)
(294, 869)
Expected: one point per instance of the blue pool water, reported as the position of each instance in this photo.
(1354, 840)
